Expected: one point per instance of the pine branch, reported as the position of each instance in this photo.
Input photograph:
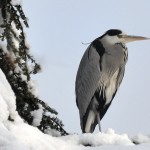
(15, 61)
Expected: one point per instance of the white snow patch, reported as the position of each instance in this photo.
(53, 132)
(140, 139)
(16, 2)
(7, 99)
(1, 22)
(107, 138)
(8, 141)
(17, 32)
(32, 85)
(23, 77)
(3, 45)
(17, 69)
(37, 116)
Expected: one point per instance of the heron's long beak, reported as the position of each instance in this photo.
(132, 38)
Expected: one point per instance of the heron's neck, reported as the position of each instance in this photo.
(122, 45)
(109, 40)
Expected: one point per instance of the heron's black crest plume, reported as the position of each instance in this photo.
(113, 32)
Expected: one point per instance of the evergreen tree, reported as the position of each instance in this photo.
(18, 66)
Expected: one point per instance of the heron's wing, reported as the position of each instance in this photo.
(97, 67)
(118, 82)
(88, 76)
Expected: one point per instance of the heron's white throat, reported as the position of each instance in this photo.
(110, 40)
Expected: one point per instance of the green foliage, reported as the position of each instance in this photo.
(18, 66)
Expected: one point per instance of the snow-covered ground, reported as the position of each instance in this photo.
(17, 135)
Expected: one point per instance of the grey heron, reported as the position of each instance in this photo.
(99, 76)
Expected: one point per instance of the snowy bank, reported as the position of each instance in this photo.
(17, 135)
(107, 138)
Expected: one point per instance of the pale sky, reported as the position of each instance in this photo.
(57, 30)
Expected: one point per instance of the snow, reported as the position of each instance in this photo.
(37, 116)
(17, 135)
(107, 138)
(3, 44)
(8, 141)
(7, 99)
(139, 139)
(16, 2)
(52, 132)
(32, 85)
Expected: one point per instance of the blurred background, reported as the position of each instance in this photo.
(57, 30)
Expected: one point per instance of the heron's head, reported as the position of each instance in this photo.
(113, 36)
